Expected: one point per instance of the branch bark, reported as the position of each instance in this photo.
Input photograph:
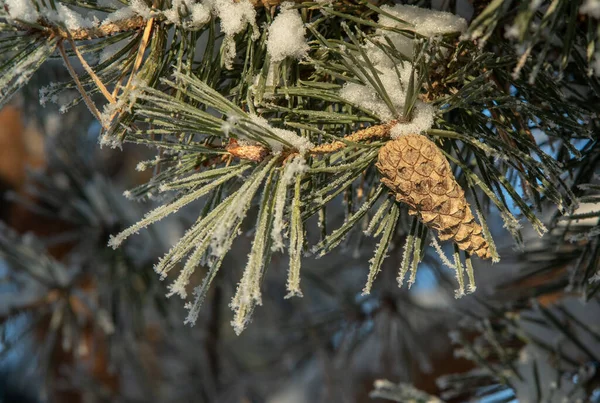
(257, 153)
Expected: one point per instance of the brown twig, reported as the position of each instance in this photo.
(256, 152)
(370, 133)
(108, 29)
(253, 152)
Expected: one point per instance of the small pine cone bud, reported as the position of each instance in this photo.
(416, 171)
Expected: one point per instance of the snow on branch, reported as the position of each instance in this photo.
(287, 35)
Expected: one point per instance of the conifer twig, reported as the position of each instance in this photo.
(111, 28)
(370, 133)
(256, 152)
(101, 31)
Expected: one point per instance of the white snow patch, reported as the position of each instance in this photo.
(120, 14)
(141, 9)
(367, 97)
(235, 16)
(194, 14)
(591, 8)
(200, 15)
(71, 19)
(26, 11)
(22, 10)
(425, 21)
(287, 35)
(422, 119)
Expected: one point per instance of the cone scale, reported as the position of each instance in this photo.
(419, 175)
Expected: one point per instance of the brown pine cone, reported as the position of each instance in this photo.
(417, 172)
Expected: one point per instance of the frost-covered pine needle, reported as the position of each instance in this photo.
(248, 293)
(486, 231)
(192, 237)
(179, 286)
(197, 178)
(296, 242)
(179, 250)
(416, 255)
(382, 248)
(460, 275)
(337, 236)
(201, 291)
(406, 254)
(377, 217)
(471, 275)
(239, 206)
(294, 168)
(161, 212)
(438, 248)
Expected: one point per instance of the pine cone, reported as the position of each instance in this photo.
(416, 171)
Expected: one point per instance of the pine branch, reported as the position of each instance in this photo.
(227, 120)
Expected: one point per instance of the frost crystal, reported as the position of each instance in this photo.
(286, 35)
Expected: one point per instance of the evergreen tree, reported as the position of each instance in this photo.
(378, 137)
